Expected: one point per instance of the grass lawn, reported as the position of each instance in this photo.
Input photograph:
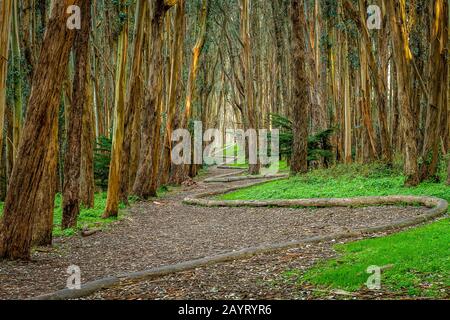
(88, 217)
(343, 181)
(419, 258)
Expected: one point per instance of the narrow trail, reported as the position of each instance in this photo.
(166, 231)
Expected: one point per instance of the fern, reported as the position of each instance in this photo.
(319, 145)
(102, 159)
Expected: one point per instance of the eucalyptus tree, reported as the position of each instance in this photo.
(28, 174)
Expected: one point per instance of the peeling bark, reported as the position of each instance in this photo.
(29, 173)
(300, 101)
(72, 161)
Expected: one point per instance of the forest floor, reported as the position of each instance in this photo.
(166, 231)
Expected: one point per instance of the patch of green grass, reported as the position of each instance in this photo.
(418, 260)
(342, 181)
(419, 257)
(88, 218)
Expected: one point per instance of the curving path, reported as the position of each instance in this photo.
(169, 235)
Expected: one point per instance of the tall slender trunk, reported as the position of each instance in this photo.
(72, 161)
(18, 99)
(156, 141)
(112, 201)
(403, 58)
(380, 80)
(300, 99)
(279, 77)
(28, 34)
(438, 85)
(8, 147)
(365, 103)
(43, 222)
(174, 87)
(87, 182)
(144, 185)
(181, 172)
(318, 107)
(5, 31)
(134, 100)
(250, 111)
(347, 106)
(378, 75)
(28, 173)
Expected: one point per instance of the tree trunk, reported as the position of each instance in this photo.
(365, 104)
(438, 85)
(43, 222)
(28, 35)
(403, 57)
(181, 172)
(300, 99)
(87, 182)
(280, 79)
(72, 161)
(174, 87)
(142, 184)
(253, 168)
(134, 100)
(347, 107)
(112, 202)
(18, 99)
(29, 171)
(5, 31)
(378, 76)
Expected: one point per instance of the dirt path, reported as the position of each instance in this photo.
(167, 231)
